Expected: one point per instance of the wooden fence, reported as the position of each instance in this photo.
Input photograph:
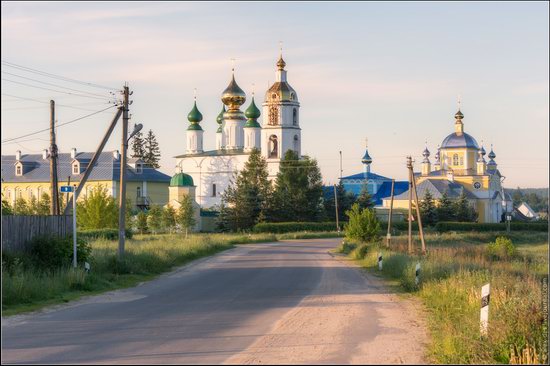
(18, 230)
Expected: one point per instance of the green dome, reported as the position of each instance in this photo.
(219, 119)
(181, 180)
(194, 116)
(252, 111)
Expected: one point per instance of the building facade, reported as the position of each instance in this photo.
(239, 133)
(28, 175)
(460, 168)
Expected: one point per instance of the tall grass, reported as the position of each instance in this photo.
(452, 273)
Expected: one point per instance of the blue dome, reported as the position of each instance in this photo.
(464, 140)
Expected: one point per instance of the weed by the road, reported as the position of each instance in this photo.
(451, 276)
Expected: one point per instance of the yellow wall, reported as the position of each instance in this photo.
(156, 191)
(465, 156)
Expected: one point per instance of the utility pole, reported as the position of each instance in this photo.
(341, 165)
(409, 166)
(123, 159)
(54, 205)
(420, 229)
(336, 207)
(67, 194)
(388, 235)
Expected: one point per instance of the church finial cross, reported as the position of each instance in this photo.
(233, 64)
(253, 89)
(195, 94)
(366, 142)
(281, 48)
(459, 101)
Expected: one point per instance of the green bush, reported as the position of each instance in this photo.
(363, 224)
(287, 227)
(50, 252)
(360, 252)
(404, 226)
(502, 248)
(109, 234)
(346, 247)
(473, 226)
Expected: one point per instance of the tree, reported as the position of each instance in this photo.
(298, 190)
(428, 211)
(33, 206)
(345, 201)
(247, 200)
(363, 224)
(97, 210)
(141, 222)
(517, 197)
(44, 204)
(138, 146)
(186, 214)
(168, 218)
(464, 212)
(445, 210)
(152, 151)
(154, 218)
(6, 208)
(21, 207)
(365, 199)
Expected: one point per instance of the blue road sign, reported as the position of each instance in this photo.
(67, 189)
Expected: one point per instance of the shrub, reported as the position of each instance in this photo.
(50, 252)
(501, 248)
(287, 227)
(346, 247)
(360, 252)
(473, 226)
(109, 234)
(363, 224)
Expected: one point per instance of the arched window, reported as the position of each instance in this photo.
(291, 96)
(455, 159)
(213, 189)
(18, 170)
(273, 147)
(138, 192)
(295, 117)
(461, 160)
(296, 143)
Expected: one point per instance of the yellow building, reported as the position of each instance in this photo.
(28, 175)
(460, 167)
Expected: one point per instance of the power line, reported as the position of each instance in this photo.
(54, 76)
(54, 90)
(57, 125)
(51, 84)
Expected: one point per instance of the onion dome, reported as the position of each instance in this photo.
(219, 120)
(492, 154)
(233, 96)
(480, 154)
(281, 63)
(426, 155)
(181, 180)
(438, 154)
(252, 113)
(195, 116)
(459, 115)
(366, 158)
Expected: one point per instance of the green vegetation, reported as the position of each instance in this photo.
(537, 198)
(363, 224)
(475, 227)
(286, 227)
(109, 234)
(452, 273)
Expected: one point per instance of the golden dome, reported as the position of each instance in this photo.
(233, 96)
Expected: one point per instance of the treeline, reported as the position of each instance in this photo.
(296, 195)
(443, 210)
(537, 198)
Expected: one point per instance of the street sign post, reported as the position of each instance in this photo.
(66, 189)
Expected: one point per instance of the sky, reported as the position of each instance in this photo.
(389, 72)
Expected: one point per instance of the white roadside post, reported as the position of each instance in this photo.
(417, 274)
(380, 261)
(484, 313)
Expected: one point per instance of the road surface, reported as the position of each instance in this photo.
(286, 302)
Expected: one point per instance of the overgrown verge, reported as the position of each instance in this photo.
(451, 276)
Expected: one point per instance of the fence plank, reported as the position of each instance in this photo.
(18, 230)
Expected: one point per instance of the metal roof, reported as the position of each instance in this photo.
(437, 187)
(367, 176)
(456, 140)
(106, 168)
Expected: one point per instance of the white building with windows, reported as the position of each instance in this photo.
(238, 134)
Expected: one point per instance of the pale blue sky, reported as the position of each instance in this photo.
(387, 71)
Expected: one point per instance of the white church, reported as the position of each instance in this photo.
(238, 134)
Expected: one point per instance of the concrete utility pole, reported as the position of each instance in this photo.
(123, 159)
(420, 229)
(409, 167)
(54, 205)
(336, 207)
(388, 235)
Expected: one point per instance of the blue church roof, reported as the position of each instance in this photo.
(385, 191)
(368, 175)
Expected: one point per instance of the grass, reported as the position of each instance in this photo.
(146, 256)
(452, 273)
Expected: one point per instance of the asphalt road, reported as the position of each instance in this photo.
(286, 302)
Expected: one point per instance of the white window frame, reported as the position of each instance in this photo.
(19, 170)
(77, 170)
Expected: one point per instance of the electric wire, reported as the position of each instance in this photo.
(57, 91)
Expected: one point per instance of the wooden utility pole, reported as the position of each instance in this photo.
(409, 166)
(54, 205)
(336, 207)
(420, 230)
(123, 159)
(388, 235)
(341, 171)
